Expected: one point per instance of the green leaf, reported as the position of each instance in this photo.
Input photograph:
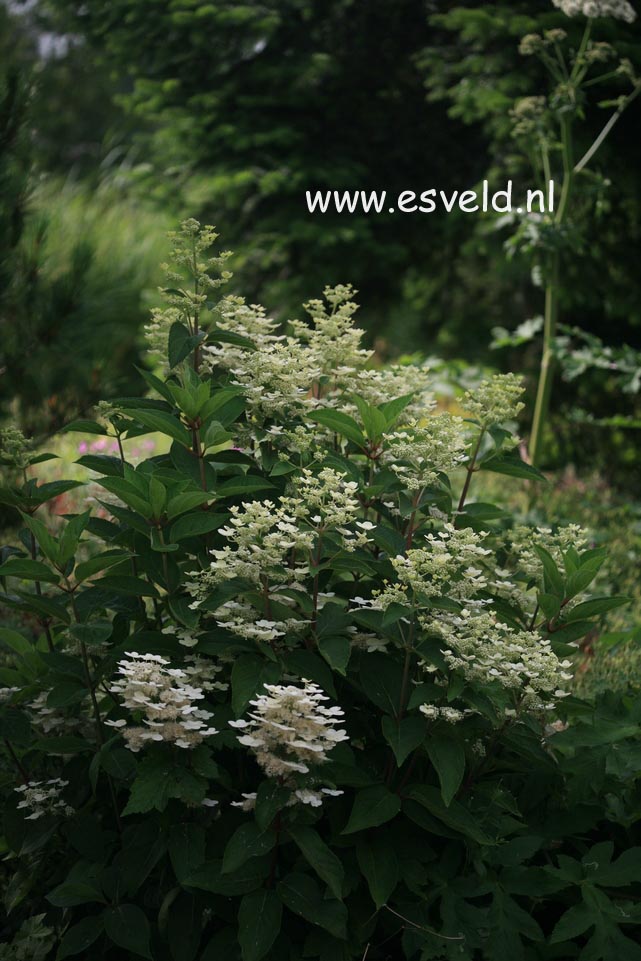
(248, 675)
(27, 570)
(382, 682)
(157, 497)
(625, 870)
(158, 385)
(372, 806)
(302, 896)
(46, 492)
(71, 893)
(164, 423)
(15, 641)
(574, 922)
(242, 484)
(194, 525)
(70, 538)
(341, 424)
(181, 343)
(392, 409)
(248, 841)
(336, 651)
(379, 864)
(322, 859)
(84, 427)
(550, 604)
(219, 336)
(455, 815)
(186, 849)
(404, 736)
(101, 562)
(512, 466)
(259, 919)
(128, 928)
(96, 632)
(131, 586)
(595, 607)
(79, 937)
(15, 727)
(270, 799)
(374, 420)
(182, 503)
(552, 576)
(448, 757)
(248, 878)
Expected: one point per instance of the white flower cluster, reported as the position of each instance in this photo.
(619, 9)
(377, 385)
(450, 714)
(448, 564)
(496, 400)
(50, 719)
(244, 320)
(522, 540)
(419, 452)
(165, 698)
(43, 797)
(242, 619)
(486, 650)
(15, 448)
(326, 501)
(270, 547)
(291, 732)
(276, 381)
(262, 536)
(333, 342)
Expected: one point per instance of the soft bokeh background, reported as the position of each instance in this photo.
(120, 118)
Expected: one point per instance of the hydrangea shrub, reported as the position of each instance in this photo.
(294, 693)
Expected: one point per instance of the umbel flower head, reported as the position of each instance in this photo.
(166, 699)
(291, 732)
(619, 9)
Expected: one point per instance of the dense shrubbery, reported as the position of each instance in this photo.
(294, 691)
